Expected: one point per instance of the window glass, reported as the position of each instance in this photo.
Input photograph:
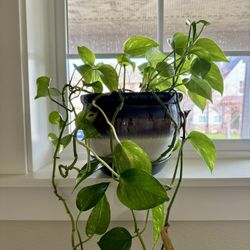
(227, 117)
(230, 20)
(103, 26)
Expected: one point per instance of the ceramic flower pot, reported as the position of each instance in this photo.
(141, 119)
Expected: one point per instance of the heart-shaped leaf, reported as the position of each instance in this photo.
(165, 69)
(64, 142)
(215, 79)
(86, 171)
(89, 196)
(215, 52)
(128, 154)
(154, 56)
(139, 190)
(179, 42)
(200, 67)
(42, 86)
(55, 118)
(99, 218)
(137, 46)
(54, 92)
(158, 221)
(86, 55)
(109, 76)
(116, 238)
(83, 123)
(199, 87)
(124, 60)
(204, 146)
(198, 100)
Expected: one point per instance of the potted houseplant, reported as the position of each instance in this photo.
(118, 125)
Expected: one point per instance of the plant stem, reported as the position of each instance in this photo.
(171, 146)
(54, 185)
(82, 242)
(124, 78)
(137, 230)
(77, 229)
(111, 135)
(180, 158)
(107, 120)
(99, 159)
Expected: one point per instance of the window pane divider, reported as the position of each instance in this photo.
(160, 23)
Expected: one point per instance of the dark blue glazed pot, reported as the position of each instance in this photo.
(141, 119)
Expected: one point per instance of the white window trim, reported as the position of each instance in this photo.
(225, 147)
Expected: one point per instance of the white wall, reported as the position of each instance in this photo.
(12, 140)
(185, 236)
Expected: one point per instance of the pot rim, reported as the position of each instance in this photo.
(138, 98)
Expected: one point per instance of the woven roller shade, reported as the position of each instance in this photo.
(103, 25)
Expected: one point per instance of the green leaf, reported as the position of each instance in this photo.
(215, 79)
(200, 52)
(54, 92)
(99, 218)
(88, 72)
(204, 22)
(53, 138)
(83, 123)
(86, 55)
(89, 196)
(215, 52)
(137, 46)
(158, 221)
(165, 69)
(65, 141)
(55, 118)
(154, 56)
(179, 42)
(116, 238)
(109, 76)
(181, 88)
(42, 86)
(143, 66)
(128, 154)
(200, 87)
(161, 84)
(97, 87)
(139, 190)
(198, 100)
(86, 171)
(204, 146)
(200, 67)
(124, 60)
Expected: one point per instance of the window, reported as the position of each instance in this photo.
(104, 25)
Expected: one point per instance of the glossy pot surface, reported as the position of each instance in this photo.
(141, 119)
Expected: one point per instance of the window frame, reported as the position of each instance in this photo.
(225, 147)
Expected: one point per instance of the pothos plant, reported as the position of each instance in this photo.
(190, 68)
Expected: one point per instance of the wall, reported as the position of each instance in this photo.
(12, 140)
(185, 236)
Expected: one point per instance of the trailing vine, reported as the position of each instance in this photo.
(189, 68)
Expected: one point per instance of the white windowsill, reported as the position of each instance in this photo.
(222, 195)
(227, 172)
